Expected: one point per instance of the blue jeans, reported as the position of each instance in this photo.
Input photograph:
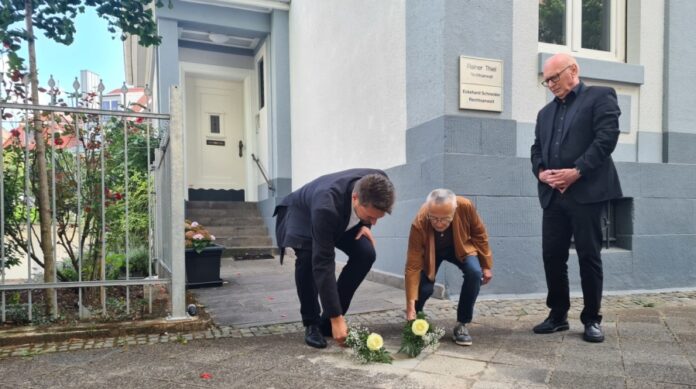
(471, 271)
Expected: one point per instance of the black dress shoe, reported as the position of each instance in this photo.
(313, 337)
(593, 333)
(551, 325)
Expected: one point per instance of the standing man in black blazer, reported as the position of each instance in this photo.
(571, 157)
(333, 211)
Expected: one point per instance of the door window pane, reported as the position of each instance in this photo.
(552, 21)
(262, 91)
(214, 124)
(596, 24)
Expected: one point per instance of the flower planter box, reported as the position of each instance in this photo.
(203, 269)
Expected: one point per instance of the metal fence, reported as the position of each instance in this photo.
(85, 150)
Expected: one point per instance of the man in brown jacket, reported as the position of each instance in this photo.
(447, 228)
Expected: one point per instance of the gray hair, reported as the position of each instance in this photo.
(442, 196)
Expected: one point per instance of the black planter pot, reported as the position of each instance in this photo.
(203, 269)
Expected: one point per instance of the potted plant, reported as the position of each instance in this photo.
(202, 257)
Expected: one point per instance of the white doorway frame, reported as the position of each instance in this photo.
(232, 74)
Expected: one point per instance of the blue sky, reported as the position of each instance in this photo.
(93, 49)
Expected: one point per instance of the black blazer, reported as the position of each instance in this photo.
(590, 134)
(313, 218)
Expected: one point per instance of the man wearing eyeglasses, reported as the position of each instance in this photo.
(447, 228)
(571, 158)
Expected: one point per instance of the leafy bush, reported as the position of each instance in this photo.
(137, 263)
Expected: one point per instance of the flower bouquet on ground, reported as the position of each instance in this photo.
(368, 347)
(418, 335)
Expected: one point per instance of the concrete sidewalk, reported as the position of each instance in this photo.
(262, 292)
(646, 347)
(650, 343)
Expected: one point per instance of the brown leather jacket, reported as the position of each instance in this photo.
(470, 238)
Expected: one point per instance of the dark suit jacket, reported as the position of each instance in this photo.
(590, 134)
(313, 218)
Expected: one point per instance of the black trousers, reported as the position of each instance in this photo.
(562, 219)
(361, 256)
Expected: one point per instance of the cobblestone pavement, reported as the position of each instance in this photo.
(439, 310)
(650, 343)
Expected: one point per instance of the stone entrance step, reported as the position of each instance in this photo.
(240, 253)
(237, 226)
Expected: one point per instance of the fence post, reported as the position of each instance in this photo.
(176, 150)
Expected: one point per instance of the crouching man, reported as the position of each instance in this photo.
(447, 228)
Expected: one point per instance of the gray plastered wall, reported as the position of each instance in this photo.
(485, 156)
(659, 224)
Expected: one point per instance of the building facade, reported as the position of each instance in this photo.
(322, 86)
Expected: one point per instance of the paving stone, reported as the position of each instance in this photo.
(457, 367)
(439, 381)
(674, 371)
(646, 384)
(513, 375)
(580, 380)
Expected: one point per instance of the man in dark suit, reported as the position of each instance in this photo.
(571, 158)
(333, 211)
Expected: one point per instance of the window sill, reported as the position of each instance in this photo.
(604, 70)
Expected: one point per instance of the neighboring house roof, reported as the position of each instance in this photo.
(136, 106)
(130, 90)
(17, 135)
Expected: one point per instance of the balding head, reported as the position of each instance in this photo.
(562, 74)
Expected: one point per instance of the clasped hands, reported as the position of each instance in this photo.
(560, 179)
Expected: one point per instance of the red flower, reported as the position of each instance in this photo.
(118, 196)
(15, 133)
(206, 376)
(139, 120)
(58, 141)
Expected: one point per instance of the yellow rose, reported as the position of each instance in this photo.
(420, 327)
(374, 342)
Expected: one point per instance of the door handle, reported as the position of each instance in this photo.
(241, 148)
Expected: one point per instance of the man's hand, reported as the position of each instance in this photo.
(544, 175)
(411, 310)
(339, 329)
(364, 231)
(487, 276)
(562, 179)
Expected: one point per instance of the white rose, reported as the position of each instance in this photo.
(374, 342)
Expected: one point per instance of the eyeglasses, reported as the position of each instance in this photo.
(434, 219)
(555, 78)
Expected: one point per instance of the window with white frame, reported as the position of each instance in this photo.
(586, 28)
